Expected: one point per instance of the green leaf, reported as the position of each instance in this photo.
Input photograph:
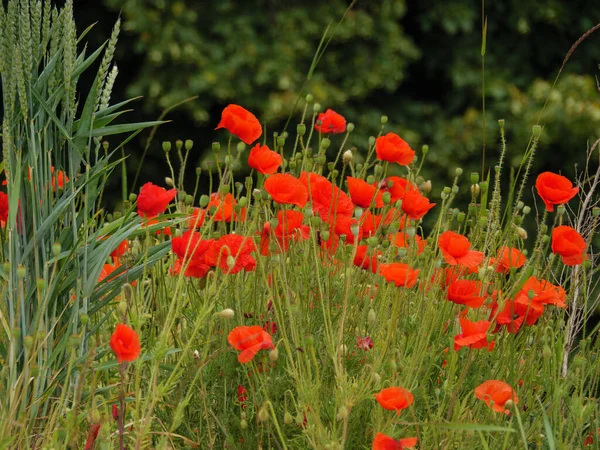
(125, 128)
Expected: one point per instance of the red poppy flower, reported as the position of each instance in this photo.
(569, 244)
(222, 208)
(249, 340)
(330, 122)
(343, 226)
(232, 253)
(508, 318)
(415, 204)
(400, 274)
(107, 269)
(191, 252)
(121, 249)
(263, 159)
(509, 258)
(362, 193)
(383, 442)
(466, 292)
(545, 292)
(369, 223)
(394, 398)
(153, 200)
(495, 394)
(289, 227)
(242, 394)
(92, 436)
(286, 189)
(366, 259)
(554, 189)
(328, 200)
(527, 308)
(456, 250)
(197, 218)
(3, 207)
(364, 343)
(241, 123)
(393, 148)
(125, 343)
(474, 335)
(403, 240)
(397, 187)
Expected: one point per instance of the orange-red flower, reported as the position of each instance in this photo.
(509, 258)
(330, 122)
(327, 200)
(393, 148)
(286, 189)
(456, 249)
(120, 250)
(232, 253)
(545, 292)
(3, 207)
(399, 273)
(289, 227)
(397, 187)
(191, 251)
(369, 223)
(384, 442)
(394, 398)
(403, 240)
(415, 204)
(153, 200)
(263, 159)
(569, 244)
(495, 394)
(466, 292)
(222, 208)
(197, 218)
(363, 193)
(241, 123)
(365, 258)
(125, 343)
(474, 335)
(554, 189)
(249, 340)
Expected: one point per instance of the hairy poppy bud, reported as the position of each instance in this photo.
(287, 418)
(350, 127)
(347, 157)
(274, 354)
(263, 414)
(309, 98)
(227, 313)
(546, 352)
(317, 107)
(384, 120)
(216, 147)
(426, 187)
(325, 143)
(372, 316)
(169, 181)
(521, 233)
(526, 210)
(458, 171)
(425, 150)
(460, 218)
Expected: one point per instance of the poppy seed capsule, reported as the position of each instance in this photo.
(317, 107)
(474, 177)
(166, 146)
(263, 414)
(350, 127)
(325, 143)
(347, 157)
(301, 129)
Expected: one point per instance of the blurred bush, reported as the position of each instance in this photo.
(419, 62)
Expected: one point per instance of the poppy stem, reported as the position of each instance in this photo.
(457, 387)
(121, 416)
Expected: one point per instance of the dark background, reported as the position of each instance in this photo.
(417, 61)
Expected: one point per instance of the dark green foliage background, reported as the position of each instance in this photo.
(417, 61)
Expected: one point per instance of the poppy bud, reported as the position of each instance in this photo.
(301, 129)
(342, 413)
(347, 157)
(376, 378)
(350, 127)
(402, 252)
(446, 190)
(230, 262)
(372, 140)
(263, 414)
(287, 418)
(521, 233)
(241, 146)
(386, 197)
(169, 182)
(330, 166)
(227, 313)
(370, 179)
(21, 272)
(28, 342)
(509, 404)
(179, 144)
(474, 177)
(243, 424)
(122, 307)
(455, 190)
(325, 143)
(501, 123)
(299, 418)
(309, 98)
(354, 229)
(426, 186)
(196, 354)
(216, 147)
(166, 146)
(371, 316)
(458, 172)
(461, 217)
(393, 365)
(483, 222)
(321, 160)
(517, 220)
(545, 239)
(325, 236)
(342, 350)
(84, 319)
(56, 247)
(315, 221)
(334, 174)
(484, 187)
(274, 354)
(526, 210)
(316, 107)
(536, 131)
(40, 284)
(546, 352)
(373, 241)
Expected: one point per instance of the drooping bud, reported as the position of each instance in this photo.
(347, 157)
(227, 313)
